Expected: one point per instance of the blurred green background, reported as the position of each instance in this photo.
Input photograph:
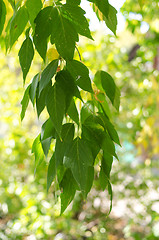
(27, 212)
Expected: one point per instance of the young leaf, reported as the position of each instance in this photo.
(72, 112)
(61, 146)
(26, 54)
(81, 74)
(69, 186)
(76, 15)
(18, 24)
(64, 36)
(47, 74)
(111, 19)
(51, 172)
(2, 15)
(33, 7)
(55, 103)
(25, 102)
(33, 88)
(78, 157)
(38, 151)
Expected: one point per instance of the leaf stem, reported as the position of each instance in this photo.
(78, 53)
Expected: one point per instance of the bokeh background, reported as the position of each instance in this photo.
(27, 212)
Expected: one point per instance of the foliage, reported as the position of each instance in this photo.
(74, 124)
(26, 211)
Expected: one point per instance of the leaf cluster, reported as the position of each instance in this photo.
(80, 129)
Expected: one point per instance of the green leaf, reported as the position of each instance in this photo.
(105, 182)
(38, 151)
(76, 15)
(103, 179)
(111, 19)
(43, 28)
(63, 35)
(55, 103)
(86, 111)
(108, 146)
(111, 196)
(78, 157)
(90, 136)
(93, 133)
(47, 130)
(97, 80)
(12, 3)
(25, 102)
(89, 181)
(110, 128)
(2, 15)
(33, 88)
(67, 83)
(107, 161)
(51, 172)
(18, 24)
(26, 54)
(60, 169)
(106, 81)
(40, 45)
(76, 2)
(68, 185)
(41, 99)
(44, 22)
(108, 85)
(103, 6)
(101, 97)
(61, 146)
(117, 98)
(33, 7)
(81, 74)
(72, 112)
(46, 145)
(47, 74)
